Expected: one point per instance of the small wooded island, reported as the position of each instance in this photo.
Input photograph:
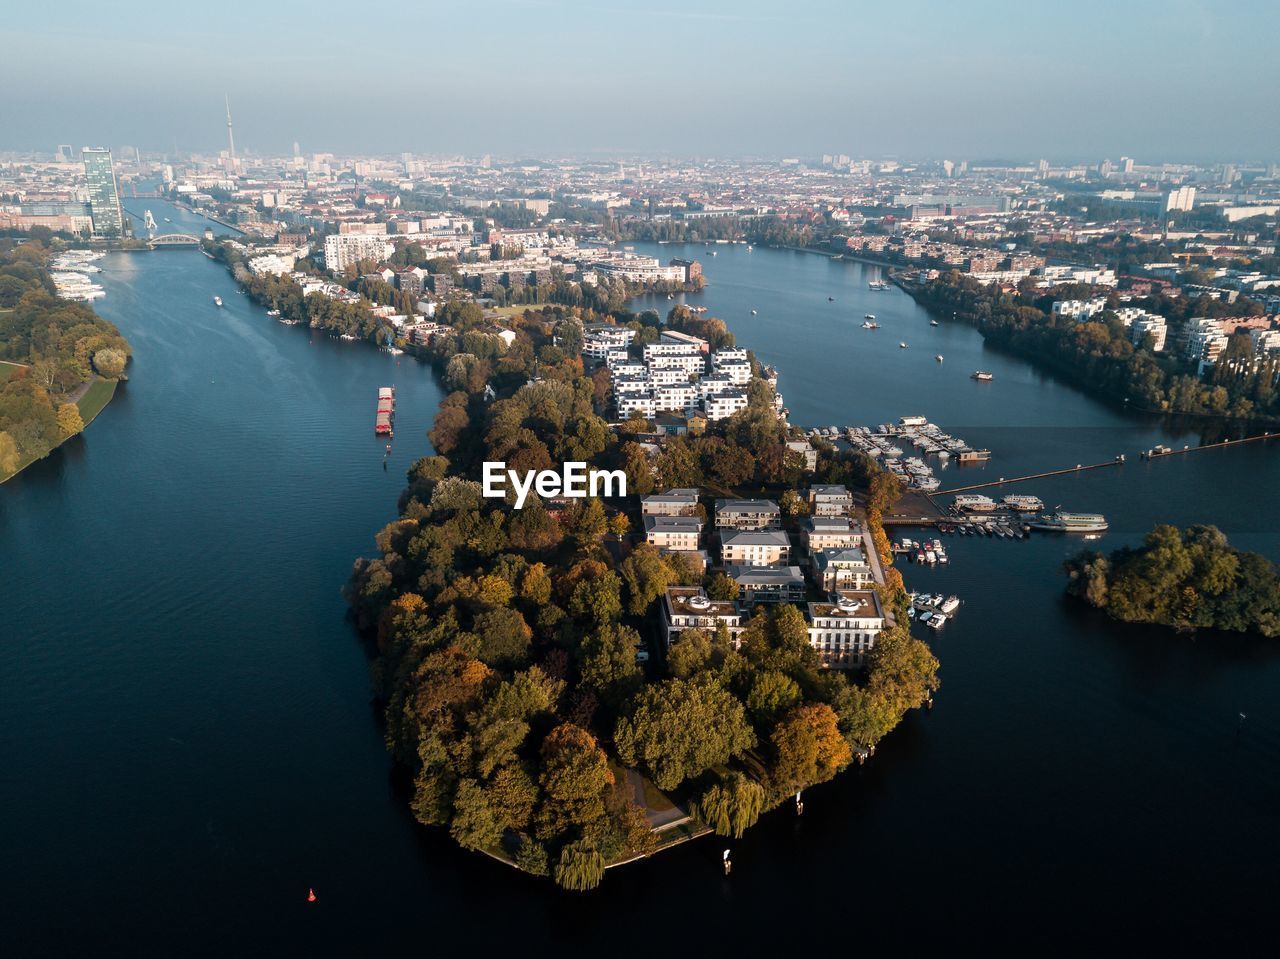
(507, 640)
(1182, 578)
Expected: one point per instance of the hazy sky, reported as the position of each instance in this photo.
(984, 78)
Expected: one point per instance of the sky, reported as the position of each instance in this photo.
(980, 79)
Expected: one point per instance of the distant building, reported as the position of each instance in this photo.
(104, 194)
(346, 249)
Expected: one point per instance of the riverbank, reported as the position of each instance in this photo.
(90, 398)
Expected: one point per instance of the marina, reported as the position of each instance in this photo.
(71, 272)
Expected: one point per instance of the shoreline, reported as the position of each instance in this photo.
(88, 385)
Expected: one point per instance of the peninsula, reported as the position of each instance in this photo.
(59, 361)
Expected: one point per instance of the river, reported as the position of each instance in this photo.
(188, 742)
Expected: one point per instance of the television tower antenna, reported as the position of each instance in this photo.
(231, 137)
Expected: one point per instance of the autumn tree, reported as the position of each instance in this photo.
(807, 747)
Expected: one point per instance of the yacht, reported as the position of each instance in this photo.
(217, 301)
(933, 322)
(1063, 522)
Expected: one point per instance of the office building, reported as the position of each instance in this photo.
(104, 195)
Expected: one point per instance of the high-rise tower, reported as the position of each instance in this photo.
(104, 195)
(231, 137)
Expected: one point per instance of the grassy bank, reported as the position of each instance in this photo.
(95, 399)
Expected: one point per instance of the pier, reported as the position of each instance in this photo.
(1118, 461)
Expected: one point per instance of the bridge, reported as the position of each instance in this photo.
(173, 239)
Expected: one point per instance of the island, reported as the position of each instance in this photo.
(59, 361)
(574, 684)
(1186, 579)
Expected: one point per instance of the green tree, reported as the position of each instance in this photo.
(475, 825)
(9, 457)
(680, 728)
(730, 806)
(581, 867)
(575, 779)
(110, 362)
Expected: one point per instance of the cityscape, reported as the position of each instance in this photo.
(831, 521)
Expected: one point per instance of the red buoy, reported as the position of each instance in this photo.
(311, 895)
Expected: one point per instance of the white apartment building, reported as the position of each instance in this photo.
(670, 349)
(754, 547)
(737, 372)
(632, 404)
(599, 343)
(676, 533)
(684, 339)
(688, 607)
(674, 502)
(346, 249)
(748, 514)
(677, 398)
(1080, 310)
(1151, 324)
(829, 532)
(723, 405)
(734, 354)
(844, 631)
(845, 568)
(830, 500)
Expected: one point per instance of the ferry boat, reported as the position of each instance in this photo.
(217, 301)
(982, 376)
(975, 501)
(1064, 522)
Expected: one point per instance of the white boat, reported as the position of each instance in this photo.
(217, 301)
(1022, 503)
(902, 346)
(938, 621)
(933, 322)
(1063, 522)
(868, 325)
(982, 376)
(753, 312)
(950, 604)
(938, 357)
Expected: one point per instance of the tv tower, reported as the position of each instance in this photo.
(231, 137)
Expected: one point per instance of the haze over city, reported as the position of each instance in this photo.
(1182, 80)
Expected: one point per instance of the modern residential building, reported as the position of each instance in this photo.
(845, 629)
(768, 584)
(830, 500)
(104, 193)
(688, 607)
(346, 249)
(674, 502)
(677, 533)
(806, 451)
(745, 547)
(829, 532)
(844, 568)
(748, 514)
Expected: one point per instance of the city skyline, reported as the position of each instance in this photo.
(1140, 78)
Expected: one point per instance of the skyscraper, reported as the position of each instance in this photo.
(104, 197)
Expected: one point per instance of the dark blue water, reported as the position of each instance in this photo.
(188, 743)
